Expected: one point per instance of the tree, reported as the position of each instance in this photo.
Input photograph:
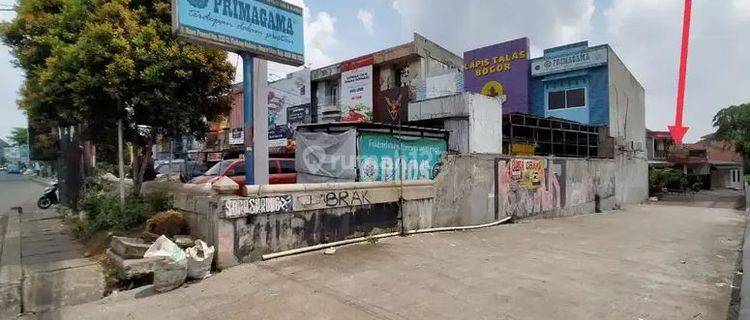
(19, 136)
(733, 125)
(118, 60)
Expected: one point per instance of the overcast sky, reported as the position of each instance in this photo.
(644, 33)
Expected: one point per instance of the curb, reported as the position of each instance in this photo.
(11, 272)
(744, 308)
(42, 181)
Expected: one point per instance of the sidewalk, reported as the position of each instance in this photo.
(647, 262)
(42, 267)
(55, 271)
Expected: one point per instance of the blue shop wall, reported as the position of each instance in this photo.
(596, 82)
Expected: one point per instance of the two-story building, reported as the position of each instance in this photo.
(373, 87)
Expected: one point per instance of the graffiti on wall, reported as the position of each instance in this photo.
(517, 197)
(244, 207)
(332, 199)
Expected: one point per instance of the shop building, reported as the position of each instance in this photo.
(376, 87)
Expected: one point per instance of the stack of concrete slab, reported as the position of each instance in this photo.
(126, 254)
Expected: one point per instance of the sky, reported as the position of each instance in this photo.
(645, 34)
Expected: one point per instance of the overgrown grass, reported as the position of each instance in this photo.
(104, 212)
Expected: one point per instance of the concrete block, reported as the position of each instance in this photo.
(225, 186)
(131, 268)
(64, 283)
(129, 248)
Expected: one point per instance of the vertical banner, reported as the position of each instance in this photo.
(383, 157)
(392, 106)
(356, 90)
(500, 70)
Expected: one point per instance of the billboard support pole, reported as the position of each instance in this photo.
(247, 107)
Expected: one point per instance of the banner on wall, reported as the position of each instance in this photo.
(500, 69)
(291, 93)
(356, 90)
(384, 157)
(528, 173)
(392, 106)
(237, 136)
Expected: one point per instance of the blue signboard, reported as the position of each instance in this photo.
(269, 29)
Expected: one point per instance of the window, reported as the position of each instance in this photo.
(576, 98)
(557, 100)
(566, 99)
(287, 166)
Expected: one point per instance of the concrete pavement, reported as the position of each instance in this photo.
(45, 261)
(645, 262)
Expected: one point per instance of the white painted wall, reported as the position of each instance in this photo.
(485, 123)
(627, 117)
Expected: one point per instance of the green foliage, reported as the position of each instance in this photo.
(104, 212)
(733, 124)
(670, 178)
(19, 136)
(92, 62)
(159, 201)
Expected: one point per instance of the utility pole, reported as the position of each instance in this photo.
(121, 163)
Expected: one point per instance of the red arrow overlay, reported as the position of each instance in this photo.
(678, 130)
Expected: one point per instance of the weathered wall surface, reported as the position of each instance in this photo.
(470, 187)
(628, 128)
(284, 217)
(485, 123)
(465, 191)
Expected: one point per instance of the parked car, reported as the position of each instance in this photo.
(187, 170)
(14, 169)
(280, 171)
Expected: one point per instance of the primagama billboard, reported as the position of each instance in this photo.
(500, 69)
(269, 29)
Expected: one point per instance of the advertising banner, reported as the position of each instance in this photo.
(574, 61)
(237, 136)
(269, 29)
(356, 91)
(384, 157)
(528, 173)
(501, 69)
(283, 95)
(392, 106)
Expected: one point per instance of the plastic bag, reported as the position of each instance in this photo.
(172, 271)
(199, 259)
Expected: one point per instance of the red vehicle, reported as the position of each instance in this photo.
(280, 171)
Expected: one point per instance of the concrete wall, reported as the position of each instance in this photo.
(485, 123)
(466, 190)
(627, 115)
(474, 120)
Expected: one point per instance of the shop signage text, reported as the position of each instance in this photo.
(269, 29)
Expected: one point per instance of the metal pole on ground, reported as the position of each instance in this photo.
(247, 104)
(121, 163)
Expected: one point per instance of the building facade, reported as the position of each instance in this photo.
(374, 87)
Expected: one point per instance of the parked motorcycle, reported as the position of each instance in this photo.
(49, 197)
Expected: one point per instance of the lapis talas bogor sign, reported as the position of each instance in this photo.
(269, 29)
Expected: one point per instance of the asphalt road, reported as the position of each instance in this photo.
(646, 262)
(18, 190)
